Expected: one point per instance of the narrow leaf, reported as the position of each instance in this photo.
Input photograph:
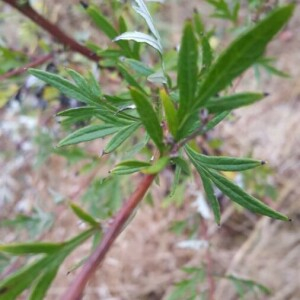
(211, 198)
(129, 78)
(148, 117)
(242, 53)
(216, 120)
(129, 167)
(187, 69)
(102, 23)
(43, 283)
(121, 137)
(142, 10)
(236, 194)
(83, 215)
(158, 166)
(221, 104)
(105, 26)
(65, 86)
(140, 37)
(223, 163)
(88, 133)
(139, 67)
(207, 54)
(170, 112)
(30, 248)
(158, 78)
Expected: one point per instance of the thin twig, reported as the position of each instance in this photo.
(36, 62)
(56, 32)
(75, 291)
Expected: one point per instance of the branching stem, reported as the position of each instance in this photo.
(75, 291)
(36, 62)
(56, 32)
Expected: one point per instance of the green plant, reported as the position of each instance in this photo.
(166, 114)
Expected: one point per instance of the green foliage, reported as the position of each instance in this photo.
(190, 288)
(223, 10)
(152, 117)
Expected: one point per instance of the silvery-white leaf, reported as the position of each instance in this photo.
(140, 37)
(157, 77)
(193, 244)
(202, 207)
(142, 10)
(158, 1)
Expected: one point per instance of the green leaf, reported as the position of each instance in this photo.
(30, 248)
(234, 192)
(105, 26)
(148, 117)
(182, 163)
(84, 111)
(170, 112)
(221, 104)
(211, 198)
(101, 22)
(129, 167)
(216, 120)
(176, 179)
(83, 215)
(241, 284)
(43, 283)
(88, 133)
(65, 86)
(129, 78)
(158, 78)
(241, 54)
(207, 54)
(199, 26)
(158, 166)
(120, 137)
(15, 283)
(187, 70)
(238, 195)
(88, 86)
(223, 163)
(139, 67)
(140, 37)
(142, 10)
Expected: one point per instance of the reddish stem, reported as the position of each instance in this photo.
(64, 39)
(75, 291)
(38, 61)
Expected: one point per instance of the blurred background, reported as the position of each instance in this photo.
(37, 179)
